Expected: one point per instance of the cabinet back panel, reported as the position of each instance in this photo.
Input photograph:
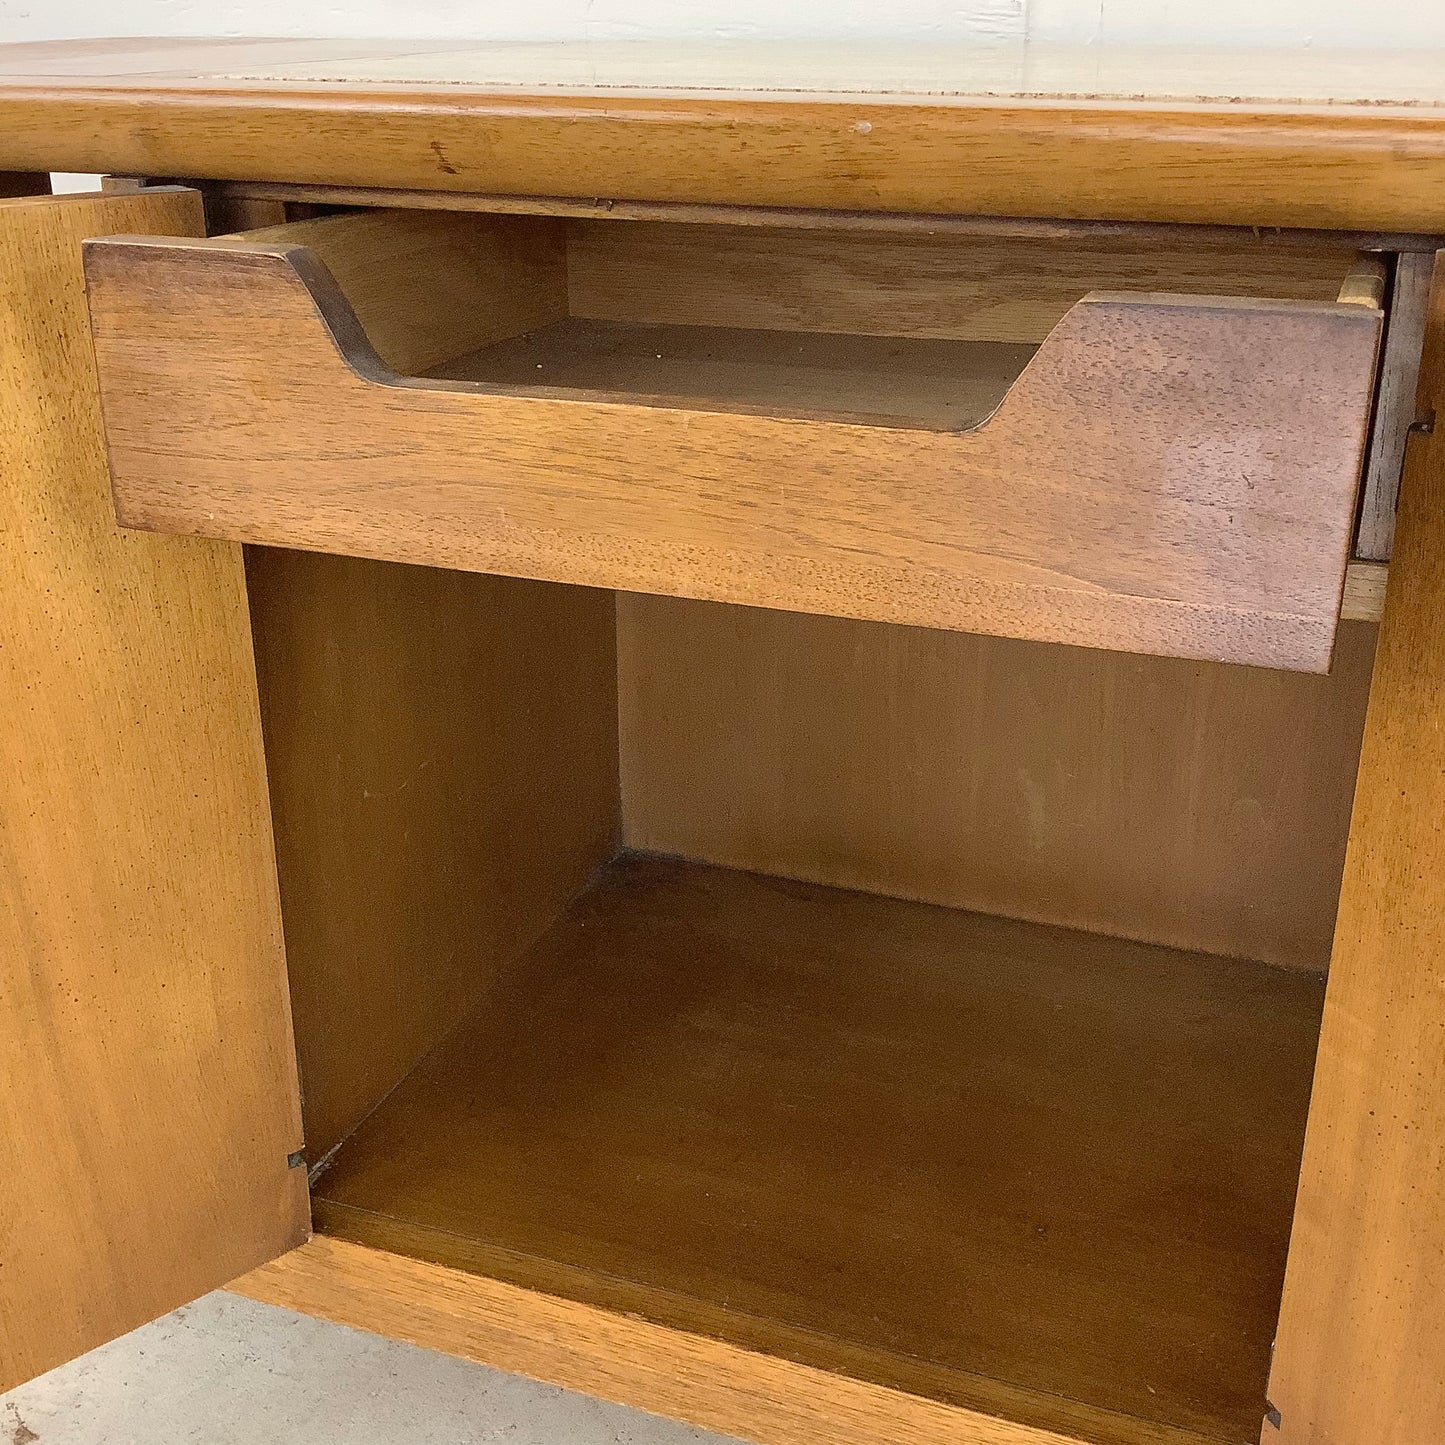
(442, 753)
(1193, 804)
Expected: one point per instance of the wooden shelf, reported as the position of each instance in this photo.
(1044, 1174)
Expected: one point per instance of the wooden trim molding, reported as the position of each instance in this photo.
(688, 1377)
(218, 112)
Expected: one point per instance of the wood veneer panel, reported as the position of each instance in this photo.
(443, 763)
(1362, 1327)
(1202, 151)
(1058, 1161)
(1186, 803)
(1168, 475)
(979, 288)
(147, 1081)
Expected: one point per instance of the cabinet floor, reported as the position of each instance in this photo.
(1039, 1172)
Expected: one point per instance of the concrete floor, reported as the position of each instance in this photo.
(228, 1371)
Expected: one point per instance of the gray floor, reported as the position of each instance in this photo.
(228, 1371)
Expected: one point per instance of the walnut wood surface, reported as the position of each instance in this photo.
(1226, 137)
(900, 380)
(147, 1080)
(442, 752)
(426, 285)
(1169, 474)
(1362, 1329)
(1186, 803)
(973, 287)
(1056, 1161)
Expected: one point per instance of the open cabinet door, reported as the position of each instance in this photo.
(148, 1098)
(1360, 1354)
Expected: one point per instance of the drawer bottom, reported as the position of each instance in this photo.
(1040, 1175)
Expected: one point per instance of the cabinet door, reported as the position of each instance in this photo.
(148, 1099)
(1360, 1354)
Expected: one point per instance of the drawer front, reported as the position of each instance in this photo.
(1169, 474)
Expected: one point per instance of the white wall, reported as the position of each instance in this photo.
(1322, 23)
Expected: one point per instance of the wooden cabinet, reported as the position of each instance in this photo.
(742, 955)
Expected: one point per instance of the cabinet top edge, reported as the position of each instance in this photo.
(1312, 139)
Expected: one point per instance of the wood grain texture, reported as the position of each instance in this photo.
(1362, 1328)
(225, 111)
(797, 218)
(1171, 475)
(1364, 599)
(147, 1080)
(974, 1400)
(1366, 284)
(998, 1151)
(982, 288)
(1395, 405)
(690, 1377)
(427, 286)
(902, 381)
(227, 214)
(1185, 803)
(443, 763)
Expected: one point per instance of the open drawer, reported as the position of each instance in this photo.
(1060, 440)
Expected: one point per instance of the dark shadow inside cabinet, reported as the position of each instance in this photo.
(936, 1009)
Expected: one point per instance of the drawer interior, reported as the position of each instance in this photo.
(919, 330)
(934, 1009)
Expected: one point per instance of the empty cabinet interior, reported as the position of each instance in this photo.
(674, 924)
(938, 1010)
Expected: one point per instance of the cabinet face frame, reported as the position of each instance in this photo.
(1360, 1354)
(148, 1096)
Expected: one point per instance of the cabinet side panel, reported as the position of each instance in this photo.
(1194, 804)
(147, 1078)
(442, 749)
(1360, 1355)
